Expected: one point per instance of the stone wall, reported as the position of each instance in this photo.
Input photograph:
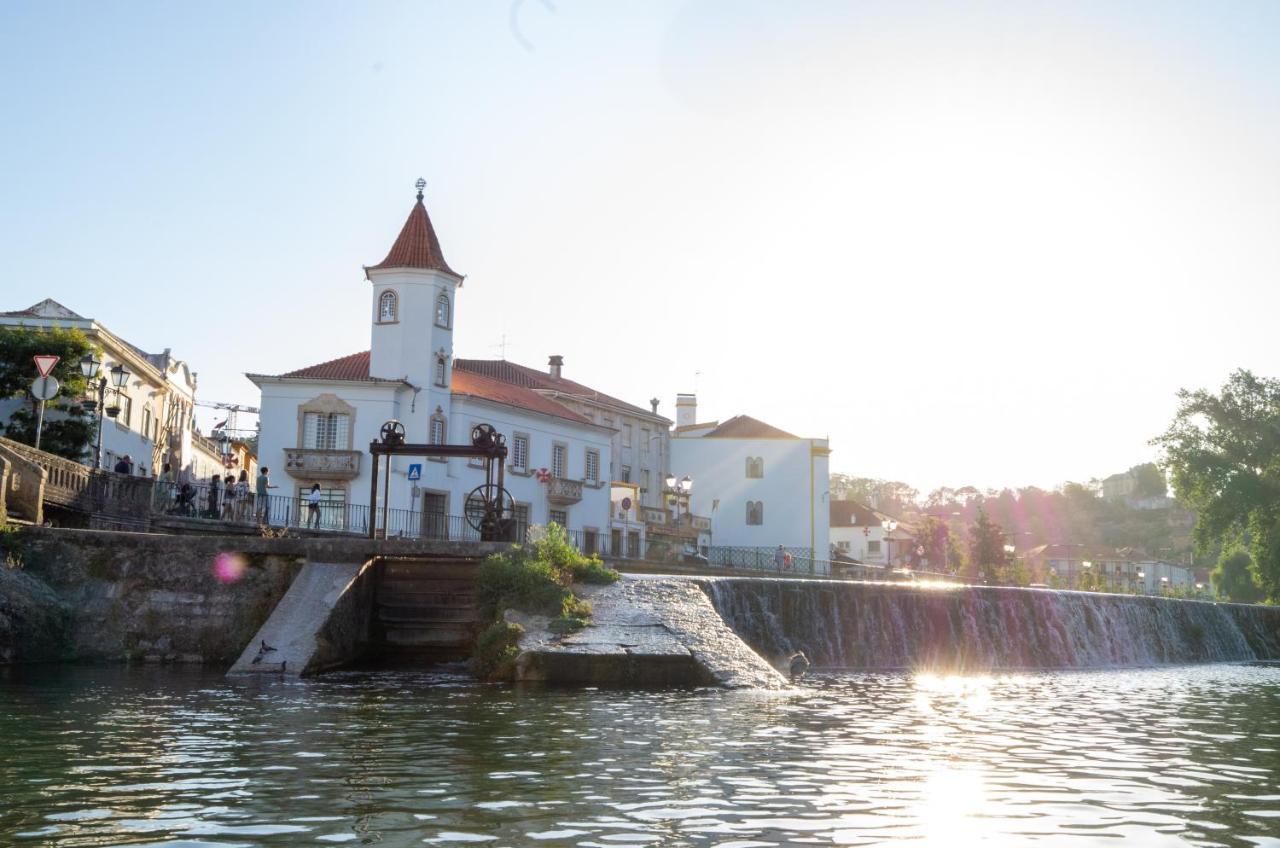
(90, 595)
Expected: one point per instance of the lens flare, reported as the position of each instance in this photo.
(228, 567)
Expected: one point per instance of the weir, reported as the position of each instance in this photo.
(878, 626)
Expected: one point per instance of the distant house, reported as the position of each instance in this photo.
(760, 486)
(151, 418)
(859, 532)
(1119, 568)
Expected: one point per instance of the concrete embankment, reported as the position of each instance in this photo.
(644, 631)
(104, 596)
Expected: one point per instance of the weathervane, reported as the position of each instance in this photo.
(420, 184)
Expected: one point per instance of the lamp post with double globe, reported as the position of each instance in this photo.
(89, 367)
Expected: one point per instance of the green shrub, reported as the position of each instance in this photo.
(496, 649)
(565, 624)
(592, 570)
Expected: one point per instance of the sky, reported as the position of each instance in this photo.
(971, 244)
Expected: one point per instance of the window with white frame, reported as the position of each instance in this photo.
(755, 512)
(520, 451)
(388, 307)
(755, 467)
(873, 547)
(126, 410)
(326, 431)
(438, 432)
(442, 371)
(558, 516)
(593, 465)
(442, 310)
(559, 460)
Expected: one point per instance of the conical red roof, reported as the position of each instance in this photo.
(417, 245)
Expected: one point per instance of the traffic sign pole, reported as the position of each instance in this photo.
(43, 388)
(39, 424)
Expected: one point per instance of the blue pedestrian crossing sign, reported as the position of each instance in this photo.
(415, 471)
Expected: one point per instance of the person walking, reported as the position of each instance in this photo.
(243, 498)
(313, 506)
(261, 495)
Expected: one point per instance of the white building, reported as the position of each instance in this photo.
(317, 422)
(867, 535)
(760, 486)
(153, 421)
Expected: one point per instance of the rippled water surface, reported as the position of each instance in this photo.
(1164, 757)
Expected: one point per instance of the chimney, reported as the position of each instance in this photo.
(556, 363)
(654, 403)
(686, 410)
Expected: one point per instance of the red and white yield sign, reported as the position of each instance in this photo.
(45, 363)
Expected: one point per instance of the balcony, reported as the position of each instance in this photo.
(314, 464)
(564, 492)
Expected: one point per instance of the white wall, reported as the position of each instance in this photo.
(793, 488)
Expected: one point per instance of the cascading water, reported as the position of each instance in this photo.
(882, 626)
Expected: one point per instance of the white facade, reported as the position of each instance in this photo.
(317, 423)
(760, 487)
(155, 421)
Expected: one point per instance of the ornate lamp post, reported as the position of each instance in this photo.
(89, 367)
(677, 492)
(889, 525)
(1086, 565)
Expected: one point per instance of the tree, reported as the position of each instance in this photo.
(68, 430)
(1223, 454)
(890, 496)
(1148, 482)
(987, 556)
(1233, 578)
(935, 537)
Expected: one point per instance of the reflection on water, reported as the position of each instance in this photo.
(163, 757)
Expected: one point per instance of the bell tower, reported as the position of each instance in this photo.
(413, 309)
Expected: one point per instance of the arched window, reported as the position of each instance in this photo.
(437, 428)
(442, 372)
(388, 307)
(755, 512)
(442, 310)
(755, 466)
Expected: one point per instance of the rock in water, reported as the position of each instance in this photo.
(797, 665)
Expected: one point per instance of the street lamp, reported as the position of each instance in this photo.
(89, 367)
(1087, 565)
(1142, 578)
(889, 526)
(677, 492)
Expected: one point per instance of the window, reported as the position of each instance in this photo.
(442, 371)
(644, 480)
(442, 310)
(326, 431)
(626, 474)
(626, 435)
(755, 512)
(126, 410)
(559, 460)
(520, 512)
(558, 516)
(437, 430)
(146, 421)
(873, 547)
(387, 307)
(645, 439)
(593, 466)
(520, 451)
(755, 467)
(332, 506)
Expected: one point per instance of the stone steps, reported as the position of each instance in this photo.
(425, 609)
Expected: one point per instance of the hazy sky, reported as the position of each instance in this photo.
(972, 243)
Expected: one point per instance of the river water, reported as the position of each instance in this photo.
(118, 756)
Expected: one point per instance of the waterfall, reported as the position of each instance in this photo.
(841, 624)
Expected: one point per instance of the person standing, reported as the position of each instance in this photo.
(125, 465)
(262, 495)
(243, 498)
(313, 506)
(228, 498)
(215, 489)
(780, 558)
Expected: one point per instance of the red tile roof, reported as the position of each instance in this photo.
(356, 367)
(417, 245)
(353, 367)
(746, 427)
(533, 378)
(469, 384)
